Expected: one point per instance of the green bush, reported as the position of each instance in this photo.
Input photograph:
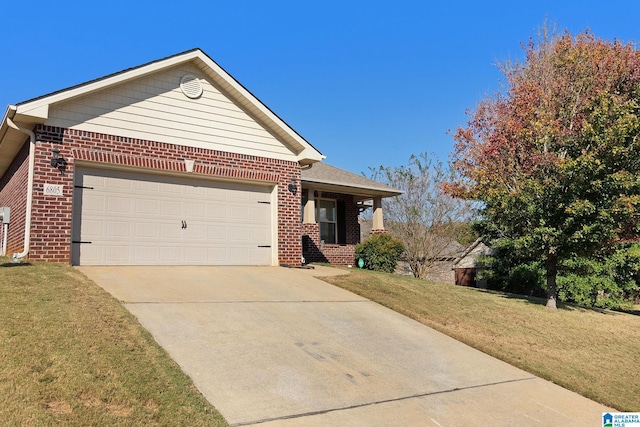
(509, 271)
(605, 281)
(609, 279)
(380, 252)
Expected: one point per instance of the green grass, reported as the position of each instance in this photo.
(595, 353)
(70, 354)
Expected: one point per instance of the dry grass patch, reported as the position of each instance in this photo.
(70, 354)
(592, 352)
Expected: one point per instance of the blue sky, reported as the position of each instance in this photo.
(366, 82)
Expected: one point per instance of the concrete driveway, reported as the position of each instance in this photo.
(272, 346)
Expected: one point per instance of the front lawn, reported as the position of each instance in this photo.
(592, 352)
(70, 354)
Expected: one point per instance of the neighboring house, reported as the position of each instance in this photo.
(440, 271)
(468, 266)
(173, 162)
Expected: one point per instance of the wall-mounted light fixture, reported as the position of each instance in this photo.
(292, 186)
(58, 161)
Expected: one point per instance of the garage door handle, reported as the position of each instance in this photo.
(184, 224)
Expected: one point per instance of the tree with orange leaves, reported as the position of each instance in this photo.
(554, 159)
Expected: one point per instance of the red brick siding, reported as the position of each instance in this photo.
(314, 251)
(51, 231)
(377, 231)
(13, 191)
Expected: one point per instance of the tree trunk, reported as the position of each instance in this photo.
(552, 287)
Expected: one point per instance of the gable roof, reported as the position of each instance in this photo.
(321, 176)
(31, 112)
(483, 249)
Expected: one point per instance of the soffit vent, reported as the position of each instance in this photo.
(191, 86)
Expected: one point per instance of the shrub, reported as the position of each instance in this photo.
(605, 281)
(509, 271)
(380, 252)
(609, 279)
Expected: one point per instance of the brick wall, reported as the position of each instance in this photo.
(13, 190)
(51, 220)
(315, 251)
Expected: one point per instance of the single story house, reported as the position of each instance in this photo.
(172, 162)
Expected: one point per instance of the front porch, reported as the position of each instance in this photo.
(332, 200)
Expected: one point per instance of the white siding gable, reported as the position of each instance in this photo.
(471, 259)
(154, 108)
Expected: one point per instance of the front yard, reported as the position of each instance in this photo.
(71, 355)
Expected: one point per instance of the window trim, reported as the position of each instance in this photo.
(334, 222)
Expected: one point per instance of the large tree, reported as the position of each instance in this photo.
(555, 157)
(424, 218)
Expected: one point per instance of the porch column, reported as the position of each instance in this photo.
(310, 208)
(378, 222)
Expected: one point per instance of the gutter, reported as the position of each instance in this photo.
(17, 257)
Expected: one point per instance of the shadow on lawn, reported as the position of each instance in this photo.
(561, 305)
(16, 264)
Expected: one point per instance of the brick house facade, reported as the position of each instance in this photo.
(227, 145)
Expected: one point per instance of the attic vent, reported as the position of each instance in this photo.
(191, 86)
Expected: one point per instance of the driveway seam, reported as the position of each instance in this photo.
(378, 402)
(242, 302)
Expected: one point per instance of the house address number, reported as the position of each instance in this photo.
(53, 190)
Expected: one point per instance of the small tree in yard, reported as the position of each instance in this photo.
(554, 159)
(424, 218)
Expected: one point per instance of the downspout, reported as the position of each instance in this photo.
(17, 257)
(3, 252)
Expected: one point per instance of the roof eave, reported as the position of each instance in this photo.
(361, 192)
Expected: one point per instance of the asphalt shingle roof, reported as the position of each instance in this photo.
(326, 174)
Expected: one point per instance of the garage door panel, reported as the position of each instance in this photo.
(217, 255)
(196, 210)
(145, 254)
(262, 254)
(117, 254)
(119, 183)
(94, 203)
(120, 205)
(216, 234)
(197, 255)
(147, 186)
(261, 234)
(168, 254)
(217, 212)
(117, 228)
(132, 218)
(237, 255)
(147, 206)
(170, 232)
(146, 230)
(93, 228)
(196, 232)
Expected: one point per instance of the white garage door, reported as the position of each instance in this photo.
(130, 218)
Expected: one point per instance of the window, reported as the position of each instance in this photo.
(326, 217)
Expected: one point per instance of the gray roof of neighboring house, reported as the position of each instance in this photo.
(326, 177)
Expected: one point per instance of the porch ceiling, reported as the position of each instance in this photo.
(324, 177)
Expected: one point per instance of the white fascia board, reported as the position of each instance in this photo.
(40, 113)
